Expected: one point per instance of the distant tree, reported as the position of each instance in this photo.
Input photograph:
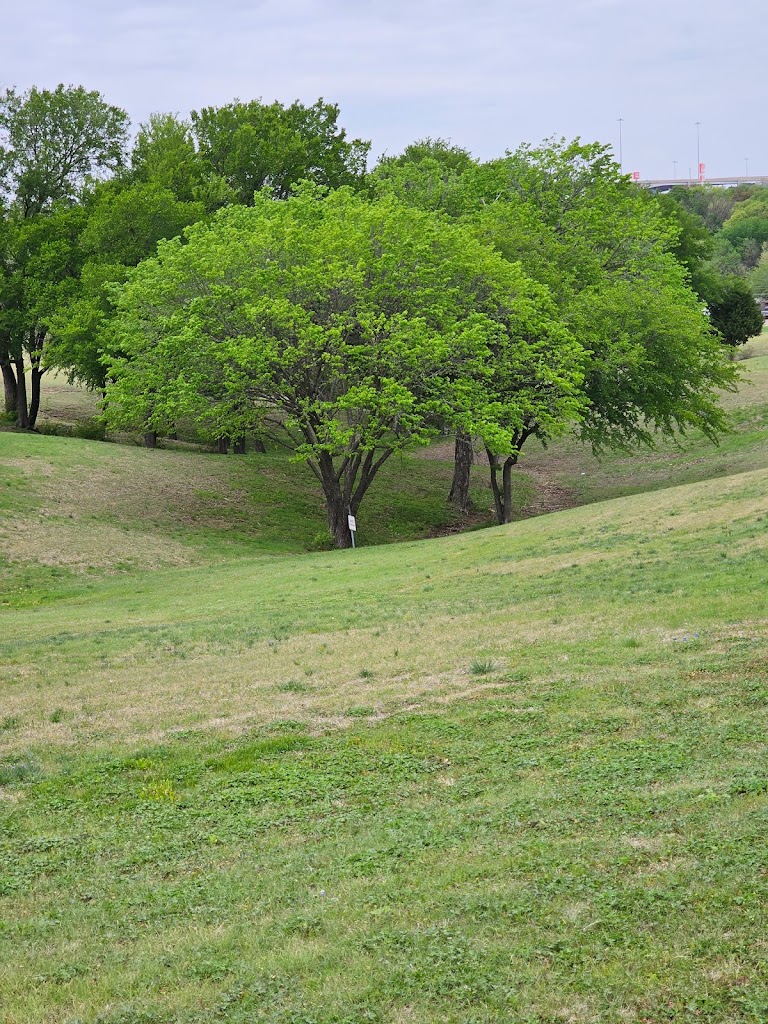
(746, 228)
(123, 226)
(444, 152)
(727, 260)
(245, 147)
(164, 154)
(51, 143)
(713, 205)
(734, 313)
(42, 262)
(692, 243)
(619, 266)
(755, 206)
(350, 329)
(758, 278)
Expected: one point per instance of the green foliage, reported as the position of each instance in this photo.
(350, 329)
(758, 277)
(51, 141)
(754, 228)
(713, 205)
(253, 146)
(693, 245)
(89, 430)
(756, 206)
(124, 224)
(615, 262)
(735, 314)
(164, 154)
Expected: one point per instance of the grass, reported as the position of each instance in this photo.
(515, 775)
(576, 833)
(577, 477)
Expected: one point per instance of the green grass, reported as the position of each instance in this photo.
(574, 833)
(517, 774)
(580, 478)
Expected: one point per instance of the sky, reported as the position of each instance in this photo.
(487, 75)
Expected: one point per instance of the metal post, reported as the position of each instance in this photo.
(621, 149)
(674, 164)
(698, 150)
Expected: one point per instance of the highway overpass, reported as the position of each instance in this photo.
(665, 184)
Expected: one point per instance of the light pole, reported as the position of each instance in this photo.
(698, 150)
(674, 164)
(746, 166)
(621, 150)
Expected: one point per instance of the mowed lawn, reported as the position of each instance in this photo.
(513, 775)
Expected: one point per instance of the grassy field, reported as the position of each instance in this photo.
(517, 774)
(564, 475)
(513, 775)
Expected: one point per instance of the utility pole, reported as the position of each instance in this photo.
(621, 151)
(698, 150)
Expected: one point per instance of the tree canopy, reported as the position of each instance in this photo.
(243, 269)
(255, 145)
(348, 329)
(51, 142)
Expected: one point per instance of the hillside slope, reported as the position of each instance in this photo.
(512, 775)
(518, 774)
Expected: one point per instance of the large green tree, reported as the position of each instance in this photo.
(734, 313)
(348, 329)
(245, 147)
(619, 268)
(51, 143)
(122, 225)
(42, 262)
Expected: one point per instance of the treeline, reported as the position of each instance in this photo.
(726, 230)
(246, 271)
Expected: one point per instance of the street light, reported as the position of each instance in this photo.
(621, 151)
(674, 164)
(746, 166)
(698, 150)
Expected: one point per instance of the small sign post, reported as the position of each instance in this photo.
(352, 528)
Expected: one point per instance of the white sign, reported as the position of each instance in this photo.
(352, 523)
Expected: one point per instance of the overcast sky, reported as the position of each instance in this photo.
(487, 74)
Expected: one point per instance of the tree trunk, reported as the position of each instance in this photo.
(150, 439)
(258, 445)
(462, 468)
(222, 445)
(336, 501)
(493, 462)
(239, 446)
(34, 401)
(9, 387)
(502, 496)
(507, 478)
(337, 521)
(22, 412)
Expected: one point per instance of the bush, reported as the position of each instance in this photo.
(54, 429)
(90, 430)
(322, 541)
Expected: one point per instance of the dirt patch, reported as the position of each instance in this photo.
(53, 542)
(116, 512)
